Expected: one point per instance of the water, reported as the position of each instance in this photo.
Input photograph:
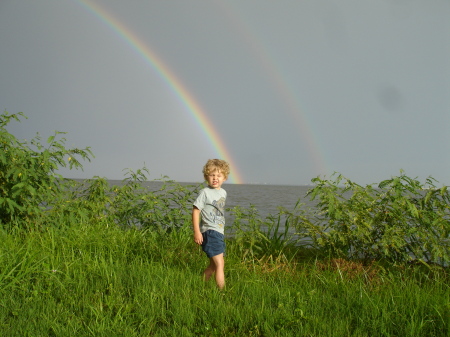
(266, 198)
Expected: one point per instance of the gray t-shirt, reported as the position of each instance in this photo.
(211, 203)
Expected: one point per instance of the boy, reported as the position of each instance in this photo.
(208, 218)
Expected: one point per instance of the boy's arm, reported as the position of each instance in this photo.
(198, 237)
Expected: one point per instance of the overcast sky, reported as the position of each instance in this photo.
(293, 89)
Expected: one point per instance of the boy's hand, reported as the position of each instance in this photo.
(198, 238)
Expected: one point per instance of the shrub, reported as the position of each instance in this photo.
(28, 179)
(400, 220)
(131, 203)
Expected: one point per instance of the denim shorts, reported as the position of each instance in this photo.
(213, 243)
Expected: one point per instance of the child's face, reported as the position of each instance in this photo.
(215, 179)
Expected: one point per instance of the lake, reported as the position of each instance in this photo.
(266, 198)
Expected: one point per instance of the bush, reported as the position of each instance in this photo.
(29, 183)
(133, 204)
(32, 193)
(400, 220)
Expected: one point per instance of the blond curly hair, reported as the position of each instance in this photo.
(216, 164)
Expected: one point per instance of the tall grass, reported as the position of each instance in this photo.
(90, 259)
(103, 281)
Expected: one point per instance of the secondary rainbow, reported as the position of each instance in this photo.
(275, 75)
(176, 86)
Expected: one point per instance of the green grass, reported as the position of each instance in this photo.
(103, 281)
(72, 262)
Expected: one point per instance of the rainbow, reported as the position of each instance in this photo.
(175, 85)
(281, 85)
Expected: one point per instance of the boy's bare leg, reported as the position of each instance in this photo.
(209, 270)
(216, 265)
(219, 262)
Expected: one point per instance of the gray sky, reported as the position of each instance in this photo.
(294, 89)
